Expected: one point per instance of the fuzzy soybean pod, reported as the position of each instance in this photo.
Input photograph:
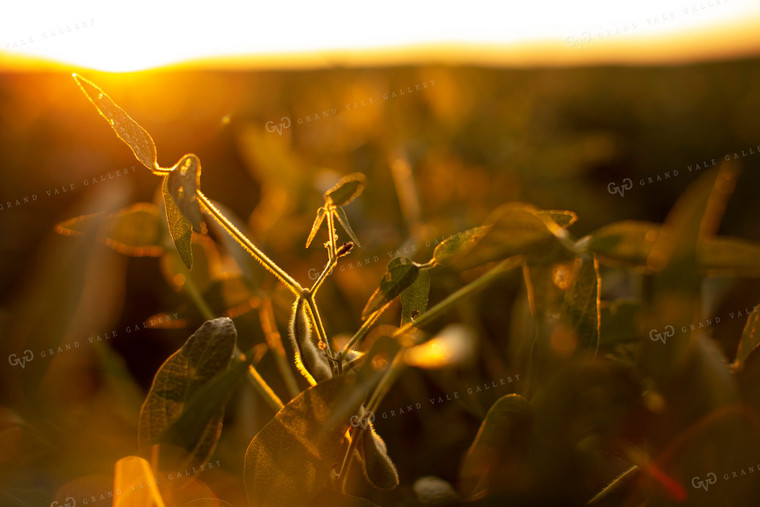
(377, 466)
(310, 361)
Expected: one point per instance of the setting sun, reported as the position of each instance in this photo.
(143, 35)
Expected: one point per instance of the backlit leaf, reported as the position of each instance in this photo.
(182, 183)
(506, 420)
(179, 384)
(134, 231)
(515, 229)
(431, 490)
(400, 274)
(127, 129)
(343, 219)
(346, 190)
(414, 299)
(457, 244)
(289, 461)
(180, 228)
(750, 338)
(321, 214)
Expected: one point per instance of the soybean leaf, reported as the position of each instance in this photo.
(321, 214)
(346, 190)
(134, 231)
(750, 339)
(180, 228)
(343, 219)
(182, 182)
(726, 256)
(563, 218)
(400, 274)
(630, 243)
(580, 309)
(289, 461)
(515, 229)
(414, 299)
(627, 242)
(457, 244)
(507, 420)
(179, 408)
(127, 129)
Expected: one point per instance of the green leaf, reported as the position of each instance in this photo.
(134, 231)
(400, 274)
(414, 299)
(185, 404)
(321, 214)
(629, 243)
(127, 129)
(180, 229)
(515, 229)
(563, 218)
(580, 308)
(346, 190)
(508, 419)
(343, 219)
(750, 339)
(289, 461)
(458, 244)
(182, 183)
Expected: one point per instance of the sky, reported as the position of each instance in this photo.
(138, 35)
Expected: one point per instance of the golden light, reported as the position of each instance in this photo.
(141, 35)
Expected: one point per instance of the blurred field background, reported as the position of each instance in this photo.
(437, 161)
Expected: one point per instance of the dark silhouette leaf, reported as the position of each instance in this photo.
(289, 461)
(185, 404)
(509, 415)
(580, 309)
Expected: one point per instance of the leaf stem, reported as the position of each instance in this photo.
(252, 249)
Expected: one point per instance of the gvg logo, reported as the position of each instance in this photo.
(273, 127)
(69, 502)
(579, 41)
(14, 360)
(705, 483)
(669, 331)
(364, 422)
(613, 188)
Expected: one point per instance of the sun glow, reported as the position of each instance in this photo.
(142, 35)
